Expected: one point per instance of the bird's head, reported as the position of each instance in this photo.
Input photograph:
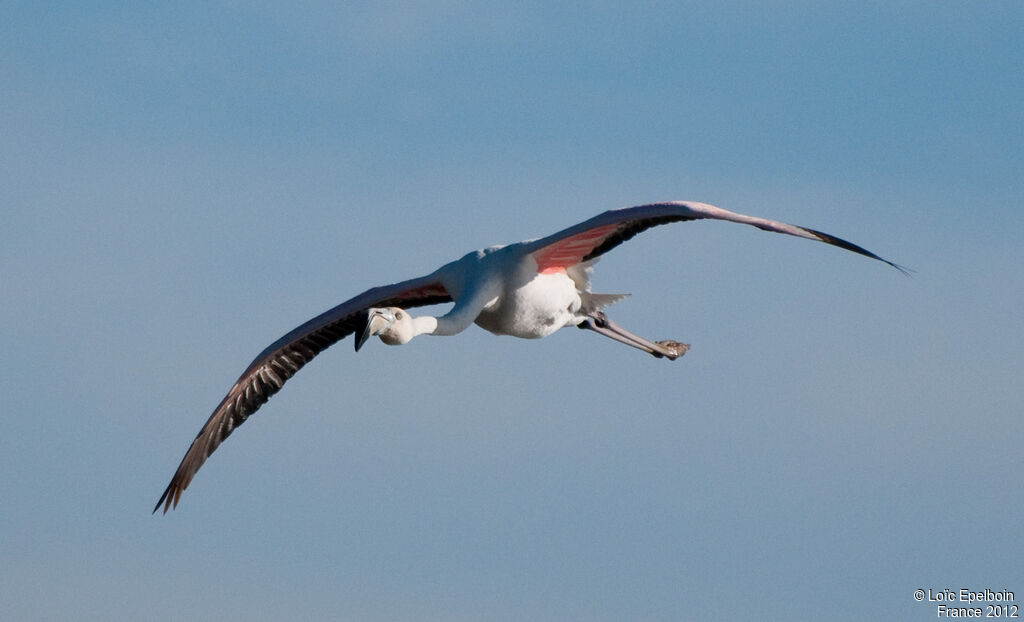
(391, 324)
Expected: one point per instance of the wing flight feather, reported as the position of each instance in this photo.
(592, 238)
(282, 359)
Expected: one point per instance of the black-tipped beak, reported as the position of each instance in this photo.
(377, 321)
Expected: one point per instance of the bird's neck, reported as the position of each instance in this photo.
(424, 325)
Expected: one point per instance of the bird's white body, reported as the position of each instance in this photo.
(501, 290)
(529, 289)
(533, 309)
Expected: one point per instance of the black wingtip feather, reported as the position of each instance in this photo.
(850, 246)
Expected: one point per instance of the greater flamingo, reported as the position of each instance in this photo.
(529, 289)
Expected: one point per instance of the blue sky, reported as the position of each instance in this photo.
(184, 183)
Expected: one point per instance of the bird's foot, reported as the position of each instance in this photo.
(671, 349)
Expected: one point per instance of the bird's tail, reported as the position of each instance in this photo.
(595, 302)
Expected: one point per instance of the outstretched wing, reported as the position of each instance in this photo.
(278, 362)
(592, 238)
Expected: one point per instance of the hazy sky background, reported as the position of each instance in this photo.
(182, 183)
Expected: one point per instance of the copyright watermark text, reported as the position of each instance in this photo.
(970, 603)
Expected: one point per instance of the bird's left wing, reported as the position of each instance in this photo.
(280, 360)
(592, 238)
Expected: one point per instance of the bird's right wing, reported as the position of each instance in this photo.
(280, 360)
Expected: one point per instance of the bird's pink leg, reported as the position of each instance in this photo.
(598, 322)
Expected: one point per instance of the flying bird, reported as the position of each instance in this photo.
(529, 289)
